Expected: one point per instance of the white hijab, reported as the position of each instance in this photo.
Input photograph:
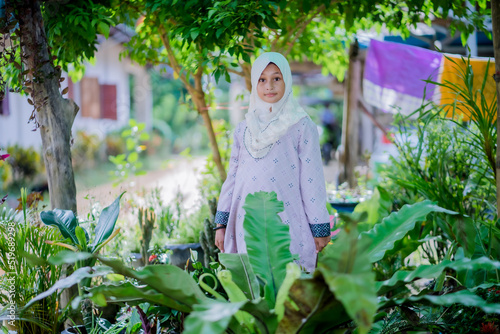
(264, 128)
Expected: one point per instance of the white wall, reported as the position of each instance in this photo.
(109, 70)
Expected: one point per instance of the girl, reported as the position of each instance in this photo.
(276, 148)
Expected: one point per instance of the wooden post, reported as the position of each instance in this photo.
(350, 122)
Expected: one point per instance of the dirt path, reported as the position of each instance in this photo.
(182, 175)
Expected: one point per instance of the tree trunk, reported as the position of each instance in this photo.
(54, 113)
(495, 17)
(350, 126)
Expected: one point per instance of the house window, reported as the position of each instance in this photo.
(108, 102)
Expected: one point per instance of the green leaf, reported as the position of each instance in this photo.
(464, 297)
(82, 237)
(130, 143)
(465, 233)
(210, 317)
(242, 271)
(383, 236)
(267, 240)
(377, 206)
(76, 277)
(107, 221)
(65, 256)
(65, 220)
(311, 308)
(132, 294)
(433, 271)
(233, 291)
(133, 157)
(235, 295)
(292, 274)
(103, 28)
(347, 270)
(171, 281)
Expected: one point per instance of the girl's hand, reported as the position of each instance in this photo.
(219, 239)
(320, 243)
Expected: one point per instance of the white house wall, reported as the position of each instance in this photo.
(14, 128)
(108, 69)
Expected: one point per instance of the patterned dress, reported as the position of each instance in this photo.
(293, 169)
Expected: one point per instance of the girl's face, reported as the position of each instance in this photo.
(271, 86)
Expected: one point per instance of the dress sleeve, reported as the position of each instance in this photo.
(312, 180)
(226, 193)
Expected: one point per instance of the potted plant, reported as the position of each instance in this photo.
(345, 199)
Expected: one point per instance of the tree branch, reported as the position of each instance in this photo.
(242, 74)
(299, 29)
(171, 58)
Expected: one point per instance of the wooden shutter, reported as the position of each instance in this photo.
(108, 102)
(91, 97)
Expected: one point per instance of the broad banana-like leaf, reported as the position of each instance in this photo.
(65, 256)
(310, 299)
(133, 294)
(65, 220)
(267, 240)
(383, 236)
(433, 271)
(347, 270)
(107, 221)
(169, 280)
(242, 273)
(210, 317)
(67, 282)
(464, 297)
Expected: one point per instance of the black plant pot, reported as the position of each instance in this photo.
(75, 330)
(347, 207)
(80, 329)
(180, 254)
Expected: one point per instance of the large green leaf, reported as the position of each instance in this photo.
(433, 271)
(347, 270)
(311, 308)
(292, 274)
(67, 282)
(169, 280)
(211, 317)
(235, 295)
(242, 273)
(383, 236)
(65, 256)
(65, 220)
(465, 233)
(132, 294)
(107, 221)
(464, 297)
(267, 240)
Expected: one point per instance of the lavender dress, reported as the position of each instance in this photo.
(293, 169)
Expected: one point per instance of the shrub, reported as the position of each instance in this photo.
(85, 150)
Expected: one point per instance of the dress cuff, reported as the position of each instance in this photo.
(221, 217)
(320, 230)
